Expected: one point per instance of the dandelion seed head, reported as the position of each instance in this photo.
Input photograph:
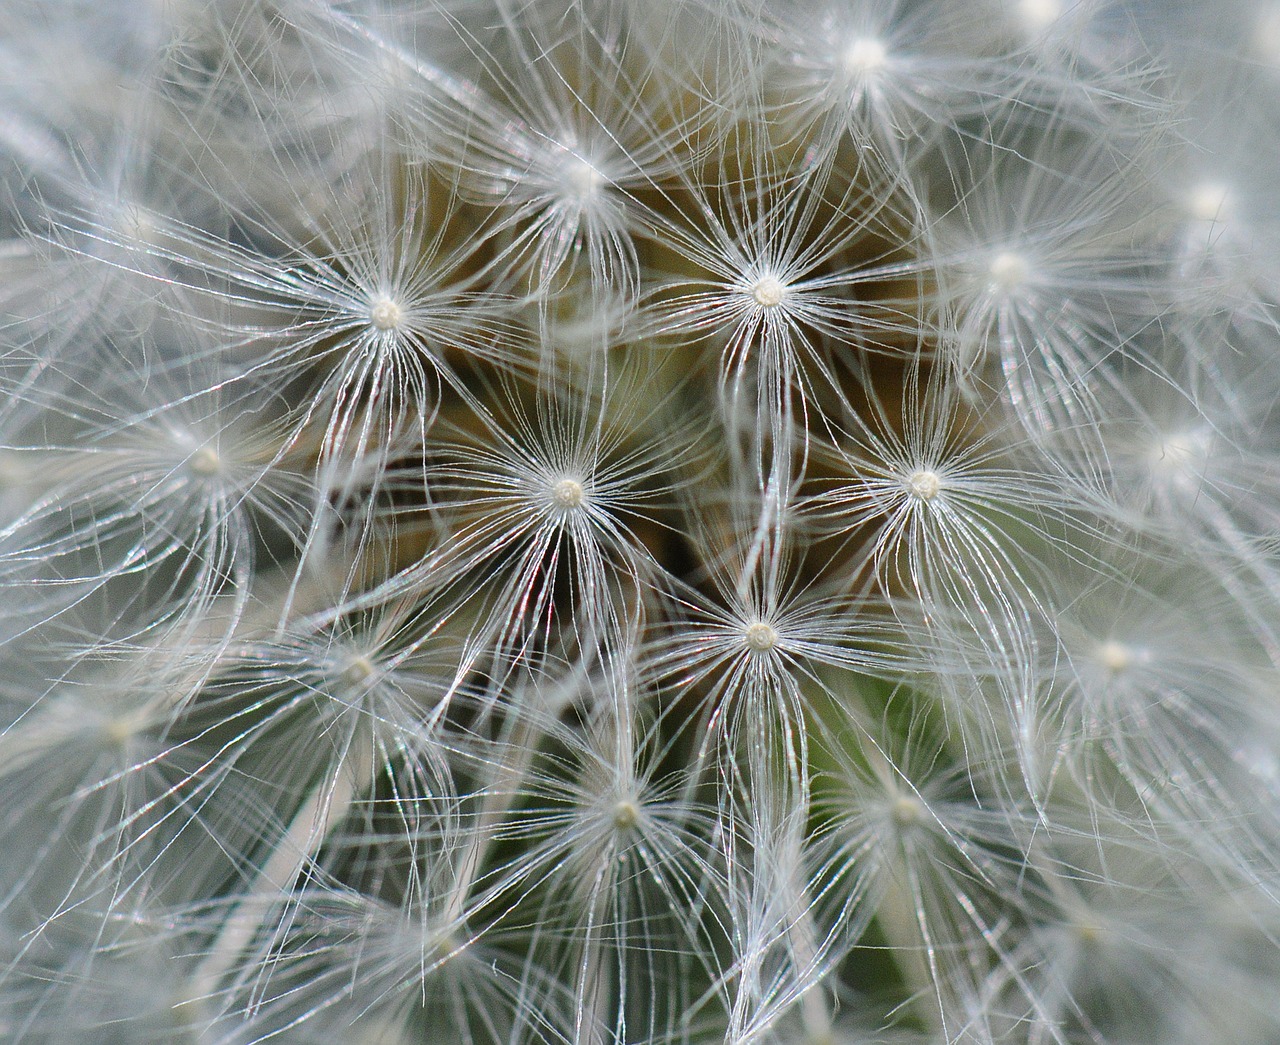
(568, 494)
(1008, 271)
(760, 637)
(385, 314)
(864, 55)
(765, 383)
(768, 291)
(924, 484)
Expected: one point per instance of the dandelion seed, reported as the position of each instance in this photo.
(1045, 275)
(886, 71)
(764, 277)
(909, 837)
(542, 499)
(165, 487)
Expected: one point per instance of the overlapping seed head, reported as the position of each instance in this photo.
(618, 523)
